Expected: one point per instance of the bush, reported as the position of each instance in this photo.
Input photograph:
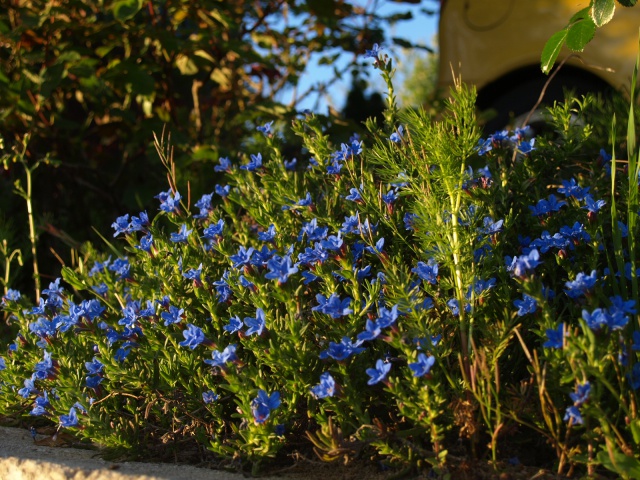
(389, 296)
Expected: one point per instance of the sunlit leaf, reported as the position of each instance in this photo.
(602, 11)
(580, 33)
(552, 49)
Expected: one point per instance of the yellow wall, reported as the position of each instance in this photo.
(490, 38)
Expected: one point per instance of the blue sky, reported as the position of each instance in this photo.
(420, 30)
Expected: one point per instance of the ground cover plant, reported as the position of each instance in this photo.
(413, 295)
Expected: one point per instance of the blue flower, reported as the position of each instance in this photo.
(309, 277)
(242, 258)
(146, 242)
(234, 325)
(526, 147)
(214, 230)
(398, 135)
(11, 296)
(263, 404)
(371, 332)
(540, 209)
(593, 206)
(390, 197)
(379, 373)
(266, 128)
(333, 305)
(220, 359)
(354, 195)
(93, 381)
(280, 269)
(484, 146)
(194, 274)
(596, 319)
(174, 315)
(169, 203)
(247, 283)
(41, 404)
(204, 204)
(576, 233)
(546, 242)
(3, 364)
(182, 235)
(427, 271)
(332, 243)
(581, 394)
(269, 235)
(312, 231)
(306, 201)
(520, 266)
(94, 367)
(224, 165)
(254, 164)
(409, 220)
(209, 397)
(571, 189)
(45, 369)
(222, 191)
(290, 165)
(423, 365)
(490, 227)
(528, 304)
(351, 224)
(139, 223)
(374, 52)
(326, 388)
(386, 317)
(573, 416)
(555, 337)
(581, 285)
(193, 336)
(255, 325)
(121, 225)
(341, 351)
(71, 420)
(29, 387)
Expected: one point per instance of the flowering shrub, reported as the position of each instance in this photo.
(397, 293)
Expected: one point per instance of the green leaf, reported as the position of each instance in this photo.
(52, 78)
(602, 11)
(123, 10)
(580, 33)
(628, 3)
(551, 50)
(186, 65)
(629, 467)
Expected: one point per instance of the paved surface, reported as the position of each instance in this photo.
(22, 459)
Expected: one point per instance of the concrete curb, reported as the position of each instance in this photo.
(22, 459)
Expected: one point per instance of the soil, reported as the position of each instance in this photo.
(24, 458)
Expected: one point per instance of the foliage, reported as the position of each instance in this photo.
(390, 296)
(580, 30)
(90, 82)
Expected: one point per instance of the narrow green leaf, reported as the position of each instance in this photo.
(602, 11)
(551, 50)
(628, 3)
(580, 33)
(123, 10)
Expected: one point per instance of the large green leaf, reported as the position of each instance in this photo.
(123, 10)
(580, 33)
(627, 466)
(602, 11)
(551, 50)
